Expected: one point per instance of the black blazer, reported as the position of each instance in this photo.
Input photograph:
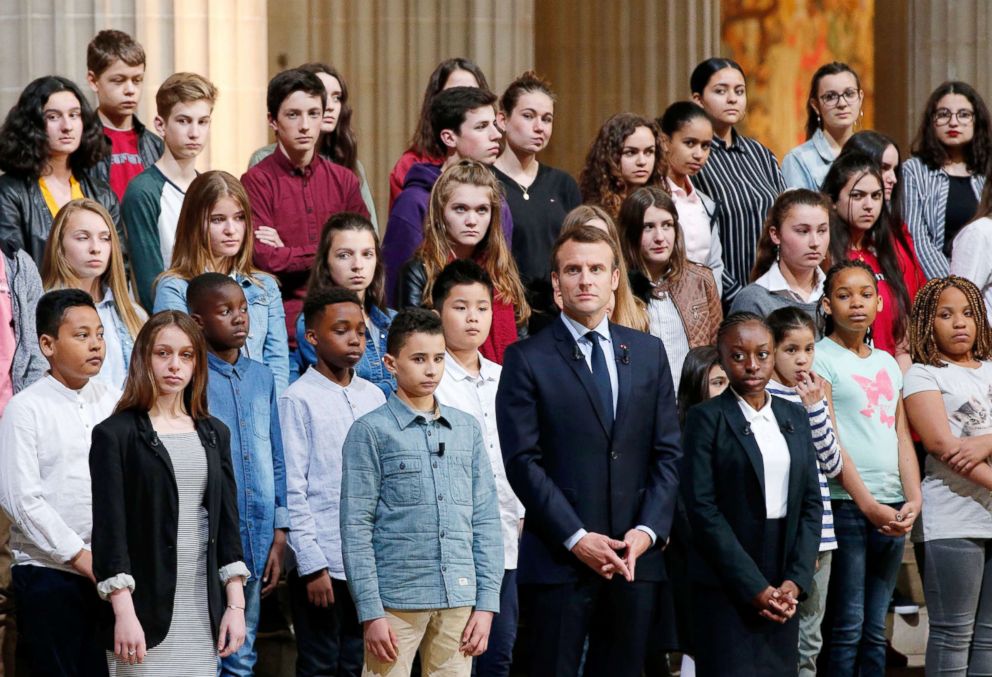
(135, 517)
(572, 472)
(724, 492)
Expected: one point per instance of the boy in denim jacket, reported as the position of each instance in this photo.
(241, 393)
(422, 546)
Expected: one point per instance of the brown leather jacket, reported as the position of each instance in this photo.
(695, 298)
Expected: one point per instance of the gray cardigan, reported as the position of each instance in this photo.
(756, 299)
(25, 289)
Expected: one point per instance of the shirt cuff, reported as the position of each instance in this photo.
(281, 518)
(487, 600)
(370, 610)
(575, 538)
(229, 571)
(66, 551)
(649, 531)
(114, 583)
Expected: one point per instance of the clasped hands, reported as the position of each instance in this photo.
(602, 553)
(777, 604)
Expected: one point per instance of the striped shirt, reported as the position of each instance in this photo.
(744, 178)
(924, 208)
(828, 459)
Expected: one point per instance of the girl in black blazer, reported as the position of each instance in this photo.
(166, 547)
(753, 501)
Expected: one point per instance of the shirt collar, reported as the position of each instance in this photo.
(822, 146)
(226, 368)
(677, 191)
(406, 416)
(775, 282)
(579, 331)
(487, 369)
(751, 414)
(108, 298)
(283, 161)
(734, 142)
(65, 391)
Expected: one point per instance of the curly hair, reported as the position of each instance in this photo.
(978, 153)
(24, 149)
(424, 140)
(600, 181)
(341, 145)
(922, 343)
(492, 252)
(885, 235)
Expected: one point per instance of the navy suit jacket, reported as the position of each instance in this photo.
(568, 468)
(724, 488)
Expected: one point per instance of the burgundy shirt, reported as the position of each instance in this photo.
(297, 203)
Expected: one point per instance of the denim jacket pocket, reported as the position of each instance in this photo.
(460, 479)
(260, 414)
(401, 481)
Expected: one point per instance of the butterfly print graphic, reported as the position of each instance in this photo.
(876, 389)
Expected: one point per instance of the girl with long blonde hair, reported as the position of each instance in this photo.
(84, 253)
(463, 222)
(215, 235)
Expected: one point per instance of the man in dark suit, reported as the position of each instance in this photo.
(589, 431)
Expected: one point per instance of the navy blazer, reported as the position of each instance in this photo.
(724, 489)
(568, 468)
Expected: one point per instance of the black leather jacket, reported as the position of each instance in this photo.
(25, 220)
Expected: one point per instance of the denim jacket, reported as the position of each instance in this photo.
(419, 516)
(243, 397)
(370, 367)
(267, 340)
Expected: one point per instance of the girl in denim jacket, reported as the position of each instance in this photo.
(348, 256)
(215, 234)
(84, 253)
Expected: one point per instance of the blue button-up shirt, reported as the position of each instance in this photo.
(419, 515)
(243, 396)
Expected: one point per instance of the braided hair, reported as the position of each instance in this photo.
(825, 320)
(922, 344)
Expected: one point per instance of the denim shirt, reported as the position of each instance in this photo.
(419, 516)
(243, 396)
(113, 322)
(370, 367)
(267, 340)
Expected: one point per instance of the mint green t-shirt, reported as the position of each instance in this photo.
(865, 395)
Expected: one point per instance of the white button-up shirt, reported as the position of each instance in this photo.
(45, 438)
(476, 395)
(775, 282)
(775, 457)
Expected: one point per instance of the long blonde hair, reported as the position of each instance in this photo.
(628, 310)
(492, 252)
(191, 255)
(56, 273)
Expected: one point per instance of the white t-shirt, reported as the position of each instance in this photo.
(953, 506)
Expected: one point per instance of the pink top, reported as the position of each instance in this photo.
(7, 344)
(695, 223)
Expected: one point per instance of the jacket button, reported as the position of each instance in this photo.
(614, 455)
(402, 466)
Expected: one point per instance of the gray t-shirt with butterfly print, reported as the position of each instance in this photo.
(953, 506)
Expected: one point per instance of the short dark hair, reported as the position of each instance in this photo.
(450, 106)
(203, 286)
(587, 235)
(411, 321)
(317, 301)
(109, 46)
(459, 272)
(53, 305)
(293, 80)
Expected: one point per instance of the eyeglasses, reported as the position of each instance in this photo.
(831, 99)
(942, 116)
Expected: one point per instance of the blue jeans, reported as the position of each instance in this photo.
(495, 662)
(242, 662)
(862, 578)
(958, 590)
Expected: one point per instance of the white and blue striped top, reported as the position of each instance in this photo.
(828, 459)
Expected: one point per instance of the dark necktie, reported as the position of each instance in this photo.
(601, 377)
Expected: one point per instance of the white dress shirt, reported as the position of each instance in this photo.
(775, 282)
(775, 457)
(579, 332)
(476, 395)
(45, 438)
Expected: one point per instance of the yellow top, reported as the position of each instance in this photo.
(75, 193)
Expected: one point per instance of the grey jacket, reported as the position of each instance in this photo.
(25, 290)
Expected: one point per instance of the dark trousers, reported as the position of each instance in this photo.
(496, 661)
(615, 615)
(329, 642)
(56, 620)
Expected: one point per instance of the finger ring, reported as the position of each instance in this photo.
(898, 517)
(131, 652)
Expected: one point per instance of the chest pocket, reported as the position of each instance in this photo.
(460, 474)
(401, 482)
(260, 414)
